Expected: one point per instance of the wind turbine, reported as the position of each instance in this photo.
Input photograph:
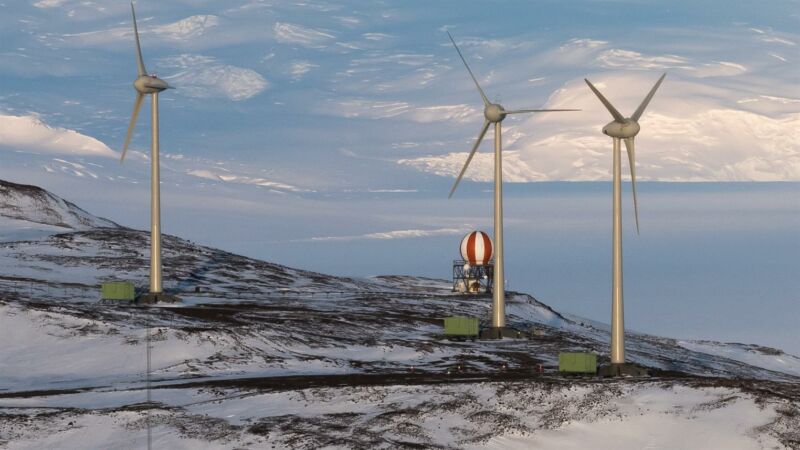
(494, 113)
(146, 84)
(627, 129)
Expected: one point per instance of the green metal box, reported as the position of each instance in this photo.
(577, 362)
(460, 326)
(117, 290)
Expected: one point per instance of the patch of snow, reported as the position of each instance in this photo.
(770, 359)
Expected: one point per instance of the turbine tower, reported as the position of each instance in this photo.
(621, 128)
(494, 113)
(146, 84)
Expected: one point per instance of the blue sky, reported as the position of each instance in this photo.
(326, 135)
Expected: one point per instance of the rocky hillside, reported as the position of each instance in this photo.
(261, 355)
(36, 205)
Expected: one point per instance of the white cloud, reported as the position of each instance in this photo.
(627, 59)
(69, 167)
(778, 40)
(584, 43)
(478, 46)
(378, 71)
(375, 36)
(348, 21)
(392, 60)
(777, 56)
(49, 3)
(204, 77)
(573, 52)
(480, 169)
(190, 27)
(618, 58)
(366, 108)
(289, 33)
(32, 134)
(781, 100)
(395, 234)
(371, 109)
(458, 113)
(228, 177)
(589, 52)
(298, 69)
(181, 31)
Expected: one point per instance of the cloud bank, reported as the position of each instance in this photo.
(289, 33)
(227, 176)
(712, 120)
(203, 77)
(395, 234)
(32, 134)
(182, 30)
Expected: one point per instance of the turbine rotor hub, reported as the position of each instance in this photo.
(150, 84)
(621, 130)
(494, 113)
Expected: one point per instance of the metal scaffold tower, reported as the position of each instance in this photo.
(473, 279)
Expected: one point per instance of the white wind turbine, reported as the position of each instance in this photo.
(494, 113)
(627, 129)
(146, 84)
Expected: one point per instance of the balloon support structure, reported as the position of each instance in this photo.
(473, 279)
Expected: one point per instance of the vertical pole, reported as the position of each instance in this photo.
(498, 291)
(155, 206)
(617, 309)
(149, 398)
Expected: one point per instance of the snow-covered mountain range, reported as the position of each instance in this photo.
(262, 355)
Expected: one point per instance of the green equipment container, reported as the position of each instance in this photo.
(461, 326)
(117, 291)
(577, 363)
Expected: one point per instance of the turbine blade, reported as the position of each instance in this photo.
(471, 154)
(521, 111)
(139, 60)
(629, 145)
(137, 105)
(483, 95)
(617, 116)
(647, 99)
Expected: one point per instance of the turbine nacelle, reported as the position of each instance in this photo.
(494, 112)
(622, 130)
(150, 84)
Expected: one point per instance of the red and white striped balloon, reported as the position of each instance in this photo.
(476, 248)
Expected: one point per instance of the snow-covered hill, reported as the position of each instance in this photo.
(30, 211)
(259, 354)
(34, 204)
